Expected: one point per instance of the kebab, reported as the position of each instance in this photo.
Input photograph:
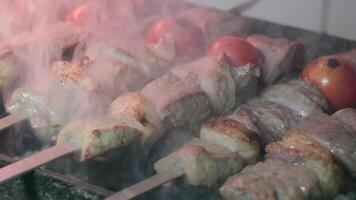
(228, 144)
(98, 135)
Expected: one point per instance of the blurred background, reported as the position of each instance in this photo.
(334, 17)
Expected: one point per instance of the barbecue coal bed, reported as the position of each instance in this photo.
(45, 184)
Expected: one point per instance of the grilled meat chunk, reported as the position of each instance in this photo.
(271, 119)
(336, 136)
(298, 149)
(135, 106)
(214, 77)
(280, 55)
(204, 163)
(298, 96)
(98, 135)
(272, 181)
(176, 102)
(232, 135)
(348, 116)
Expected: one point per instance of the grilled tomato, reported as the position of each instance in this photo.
(240, 51)
(185, 36)
(336, 79)
(79, 14)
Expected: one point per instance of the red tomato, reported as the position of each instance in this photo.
(336, 79)
(240, 51)
(78, 15)
(187, 37)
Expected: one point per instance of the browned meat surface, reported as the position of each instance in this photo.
(298, 96)
(204, 163)
(232, 135)
(280, 55)
(98, 135)
(214, 77)
(299, 150)
(272, 119)
(334, 135)
(176, 102)
(272, 181)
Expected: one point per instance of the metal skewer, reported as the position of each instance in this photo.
(36, 160)
(12, 119)
(147, 184)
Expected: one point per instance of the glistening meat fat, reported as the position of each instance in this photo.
(309, 148)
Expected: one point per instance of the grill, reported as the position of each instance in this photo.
(101, 177)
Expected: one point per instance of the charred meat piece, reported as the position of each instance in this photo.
(272, 181)
(98, 135)
(176, 102)
(298, 96)
(204, 163)
(232, 135)
(280, 55)
(298, 149)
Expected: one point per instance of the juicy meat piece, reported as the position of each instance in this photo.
(98, 135)
(298, 96)
(233, 136)
(280, 55)
(214, 77)
(272, 181)
(272, 119)
(135, 106)
(177, 103)
(298, 149)
(348, 116)
(336, 136)
(203, 163)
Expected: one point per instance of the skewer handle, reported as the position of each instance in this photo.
(36, 160)
(146, 185)
(12, 119)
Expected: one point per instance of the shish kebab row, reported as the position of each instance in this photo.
(131, 69)
(187, 93)
(301, 166)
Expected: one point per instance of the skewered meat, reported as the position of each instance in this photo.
(272, 180)
(298, 149)
(176, 102)
(315, 145)
(134, 105)
(337, 137)
(98, 135)
(257, 122)
(202, 162)
(298, 95)
(280, 56)
(234, 136)
(184, 96)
